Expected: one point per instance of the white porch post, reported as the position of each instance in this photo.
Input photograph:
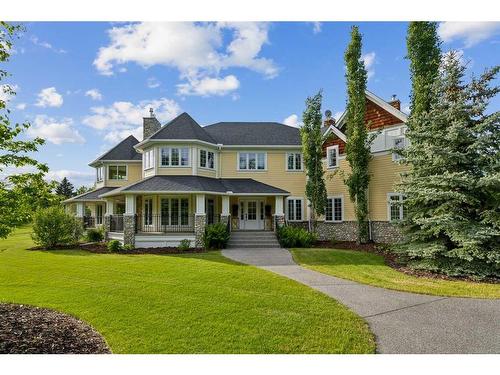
(110, 207)
(199, 220)
(225, 205)
(130, 206)
(279, 215)
(80, 209)
(200, 204)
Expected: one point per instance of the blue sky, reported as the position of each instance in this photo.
(84, 86)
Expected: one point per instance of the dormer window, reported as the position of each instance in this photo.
(99, 174)
(332, 156)
(175, 157)
(117, 172)
(207, 159)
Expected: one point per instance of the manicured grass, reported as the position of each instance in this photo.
(368, 268)
(190, 303)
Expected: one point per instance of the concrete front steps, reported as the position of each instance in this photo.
(253, 239)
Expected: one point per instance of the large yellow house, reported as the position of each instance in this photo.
(249, 175)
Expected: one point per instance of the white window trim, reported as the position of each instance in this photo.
(336, 147)
(333, 209)
(396, 157)
(97, 179)
(118, 165)
(301, 161)
(401, 212)
(251, 170)
(170, 157)
(199, 159)
(151, 154)
(301, 208)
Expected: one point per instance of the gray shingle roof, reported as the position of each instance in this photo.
(122, 151)
(91, 195)
(254, 133)
(201, 184)
(183, 127)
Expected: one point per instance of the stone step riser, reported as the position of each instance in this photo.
(254, 247)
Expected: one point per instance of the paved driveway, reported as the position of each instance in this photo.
(402, 322)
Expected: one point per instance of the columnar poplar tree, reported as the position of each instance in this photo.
(312, 143)
(453, 186)
(358, 145)
(424, 53)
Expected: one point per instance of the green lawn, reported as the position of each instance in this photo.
(368, 268)
(201, 303)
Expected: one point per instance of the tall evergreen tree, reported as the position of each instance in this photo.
(65, 188)
(312, 144)
(453, 186)
(358, 143)
(424, 53)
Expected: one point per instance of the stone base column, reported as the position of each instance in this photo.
(107, 226)
(279, 221)
(129, 230)
(226, 220)
(200, 221)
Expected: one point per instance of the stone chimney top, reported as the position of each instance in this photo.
(150, 125)
(329, 120)
(395, 102)
(151, 114)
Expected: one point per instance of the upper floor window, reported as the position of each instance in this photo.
(117, 172)
(398, 143)
(396, 209)
(99, 174)
(148, 159)
(332, 156)
(252, 161)
(294, 209)
(334, 209)
(207, 159)
(294, 161)
(175, 157)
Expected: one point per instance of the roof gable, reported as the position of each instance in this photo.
(122, 151)
(183, 127)
(254, 133)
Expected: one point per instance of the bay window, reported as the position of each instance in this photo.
(175, 157)
(99, 174)
(148, 159)
(207, 159)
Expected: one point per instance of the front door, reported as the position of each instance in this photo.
(250, 215)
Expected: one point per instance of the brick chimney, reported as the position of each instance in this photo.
(150, 125)
(395, 102)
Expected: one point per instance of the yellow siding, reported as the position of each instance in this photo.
(335, 186)
(175, 171)
(275, 175)
(207, 172)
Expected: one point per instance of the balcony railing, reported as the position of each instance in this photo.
(116, 223)
(164, 223)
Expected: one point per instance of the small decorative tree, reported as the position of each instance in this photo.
(312, 151)
(65, 188)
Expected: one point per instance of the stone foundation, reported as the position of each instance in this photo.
(107, 226)
(225, 219)
(129, 230)
(200, 221)
(279, 221)
(382, 231)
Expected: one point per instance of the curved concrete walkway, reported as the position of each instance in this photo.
(402, 322)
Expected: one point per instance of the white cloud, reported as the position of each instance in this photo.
(121, 119)
(197, 50)
(292, 120)
(471, 32)
(34, 39)
(369, 61)
(94, 94)
(21, 106)
(316, 27)
(153, 83)
(5, 92)
(55, 131)
(75, 177)
(209, 86)
(49, 97)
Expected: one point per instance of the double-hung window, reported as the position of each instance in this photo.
(174, 211)
(252, 161)
(117, 172)
(148, 159)
(334, 209)
(99, 174)
(332, 156)
(294, 161)
(175, 157)
(207, 159)
(294, 209)
(395, 209)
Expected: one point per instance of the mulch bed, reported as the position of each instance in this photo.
(392, 261)
(34, 330)
(100, 248)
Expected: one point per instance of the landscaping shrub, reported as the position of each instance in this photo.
(128, 247)
(94, 235)
(53, 226)
(114, 246)
(289, 236)
(184, 245)
(216, 236)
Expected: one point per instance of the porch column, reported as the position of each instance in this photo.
(110, 206)
(199, 220)
(225, 217)
(279, 215)
(129, 220)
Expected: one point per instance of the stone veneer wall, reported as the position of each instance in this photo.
(107, 226)
(129, 230)
(200, 221)
(382, 231)
(279, 220)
